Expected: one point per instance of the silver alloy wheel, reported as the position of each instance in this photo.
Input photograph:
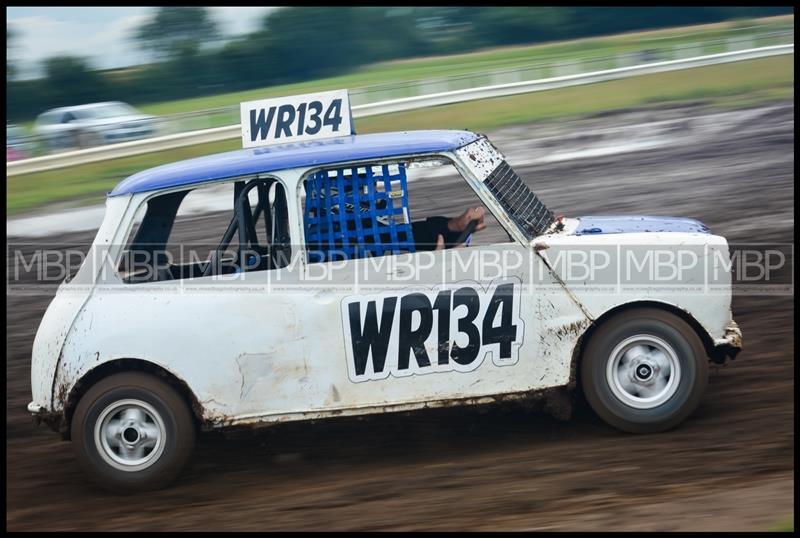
(643, 371)
(130, 435)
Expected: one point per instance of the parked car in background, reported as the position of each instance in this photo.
(19, 143)
(94, 124)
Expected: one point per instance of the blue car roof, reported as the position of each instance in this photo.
(285, 156)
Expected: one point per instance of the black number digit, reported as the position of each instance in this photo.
(468, 297)
(301, 118)
(507, 331)
(315, 108)
(333, 116)
(442, 307)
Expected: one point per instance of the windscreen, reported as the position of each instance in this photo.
(522, 205)
(111, 110)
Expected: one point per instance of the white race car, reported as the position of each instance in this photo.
(318, 301)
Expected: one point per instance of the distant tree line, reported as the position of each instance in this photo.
(189, 58)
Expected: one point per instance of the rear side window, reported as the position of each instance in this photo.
(235, 227)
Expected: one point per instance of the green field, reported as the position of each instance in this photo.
(476, 62)
(735, 84)
(500, 58)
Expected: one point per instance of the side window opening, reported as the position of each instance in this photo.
(188, 234)
(439, 191)
(382, 209)
(357, 212)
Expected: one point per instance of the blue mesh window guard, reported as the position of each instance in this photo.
(357, 212)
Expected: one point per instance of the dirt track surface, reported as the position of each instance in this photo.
(729, 467)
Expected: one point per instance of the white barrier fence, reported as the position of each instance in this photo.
(127, 149)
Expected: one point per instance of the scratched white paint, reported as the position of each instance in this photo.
(277, 351)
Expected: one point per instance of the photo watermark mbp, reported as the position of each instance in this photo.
(741, 269)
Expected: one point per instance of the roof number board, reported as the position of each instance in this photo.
(296, 118)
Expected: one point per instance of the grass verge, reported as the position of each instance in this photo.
(786, 525)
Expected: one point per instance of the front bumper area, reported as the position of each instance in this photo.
(729, 346)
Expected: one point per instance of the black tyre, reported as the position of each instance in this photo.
(644, 370)
(132, 432)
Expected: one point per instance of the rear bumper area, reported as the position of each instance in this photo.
(41, 415)
(729, 346)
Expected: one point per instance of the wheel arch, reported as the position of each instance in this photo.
(126, 365)
(583, 340)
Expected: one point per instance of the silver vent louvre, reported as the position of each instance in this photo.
(521, 204)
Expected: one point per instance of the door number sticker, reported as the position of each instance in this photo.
(450, 328)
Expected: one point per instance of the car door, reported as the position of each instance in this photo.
(412, 328)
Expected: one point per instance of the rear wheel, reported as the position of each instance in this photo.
(132, 432)
(644, 371)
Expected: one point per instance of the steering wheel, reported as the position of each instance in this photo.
(467, 233)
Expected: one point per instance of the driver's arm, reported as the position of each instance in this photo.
(435, 233)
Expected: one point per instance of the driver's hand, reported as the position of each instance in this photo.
(460, 223)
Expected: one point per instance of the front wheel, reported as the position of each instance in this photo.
(644, 370)
(132, 432)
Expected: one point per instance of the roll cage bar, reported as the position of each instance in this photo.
(272, 203)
